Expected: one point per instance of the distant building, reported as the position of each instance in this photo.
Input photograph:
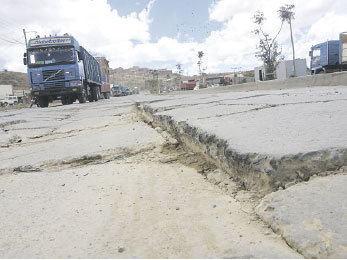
(214, 80)
(259, 73)
(284, 70)
(142, 78)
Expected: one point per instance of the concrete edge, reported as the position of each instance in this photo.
(331, 79)
(260, 172)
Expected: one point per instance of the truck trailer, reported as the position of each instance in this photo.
(59, 68)
(329, 56)
(6, 90)
(105, 77)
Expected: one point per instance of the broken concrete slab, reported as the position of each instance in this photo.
(265, 139)
(64, 133)
(311, 216)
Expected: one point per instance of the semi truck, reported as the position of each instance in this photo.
(329, 56)
(59, 68)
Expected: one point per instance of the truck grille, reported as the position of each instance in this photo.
(56, 90)
(49, 75)
(56, 84)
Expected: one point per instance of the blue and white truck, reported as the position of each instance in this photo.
(329, 56)
(59, 68)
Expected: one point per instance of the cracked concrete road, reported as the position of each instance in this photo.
(282, 136)
(275, 122)
(91, 181)
(274, 140)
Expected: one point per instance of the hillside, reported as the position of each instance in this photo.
(18, 80)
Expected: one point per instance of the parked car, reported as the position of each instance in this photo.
(9, 100)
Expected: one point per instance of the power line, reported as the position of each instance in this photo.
(11, 36)
(9, 24)
(12, 41)
(13, 33)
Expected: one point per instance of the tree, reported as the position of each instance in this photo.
(269, 51)
(200, 55)
(179, 72)
(286, 14)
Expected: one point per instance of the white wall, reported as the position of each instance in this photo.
(256, 73)
(285, 68)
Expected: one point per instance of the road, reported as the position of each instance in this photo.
(288, 143)
(94, 180)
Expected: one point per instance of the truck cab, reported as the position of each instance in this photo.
(324, 57)
(343, 50)
(116, 91)
(330, 56)
(57, 68)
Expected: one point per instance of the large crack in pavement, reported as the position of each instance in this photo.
(248, 177)
(171, 151)
(259, 172)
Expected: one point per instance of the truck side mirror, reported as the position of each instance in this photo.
(25, 61)
(79, 54)
(25, 54)
(310, 53)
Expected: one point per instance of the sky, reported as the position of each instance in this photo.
(160, 34)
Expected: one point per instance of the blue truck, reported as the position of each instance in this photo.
(329, 56)
(59, 68)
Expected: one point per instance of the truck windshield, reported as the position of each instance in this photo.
(316, 53)
(50, 55)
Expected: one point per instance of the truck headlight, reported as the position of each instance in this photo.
(76, 84)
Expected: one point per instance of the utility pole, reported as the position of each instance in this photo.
(235, 75)
(25, 37)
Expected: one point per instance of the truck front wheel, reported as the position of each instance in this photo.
(82, 98)
(43, 101)
(64, 100)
